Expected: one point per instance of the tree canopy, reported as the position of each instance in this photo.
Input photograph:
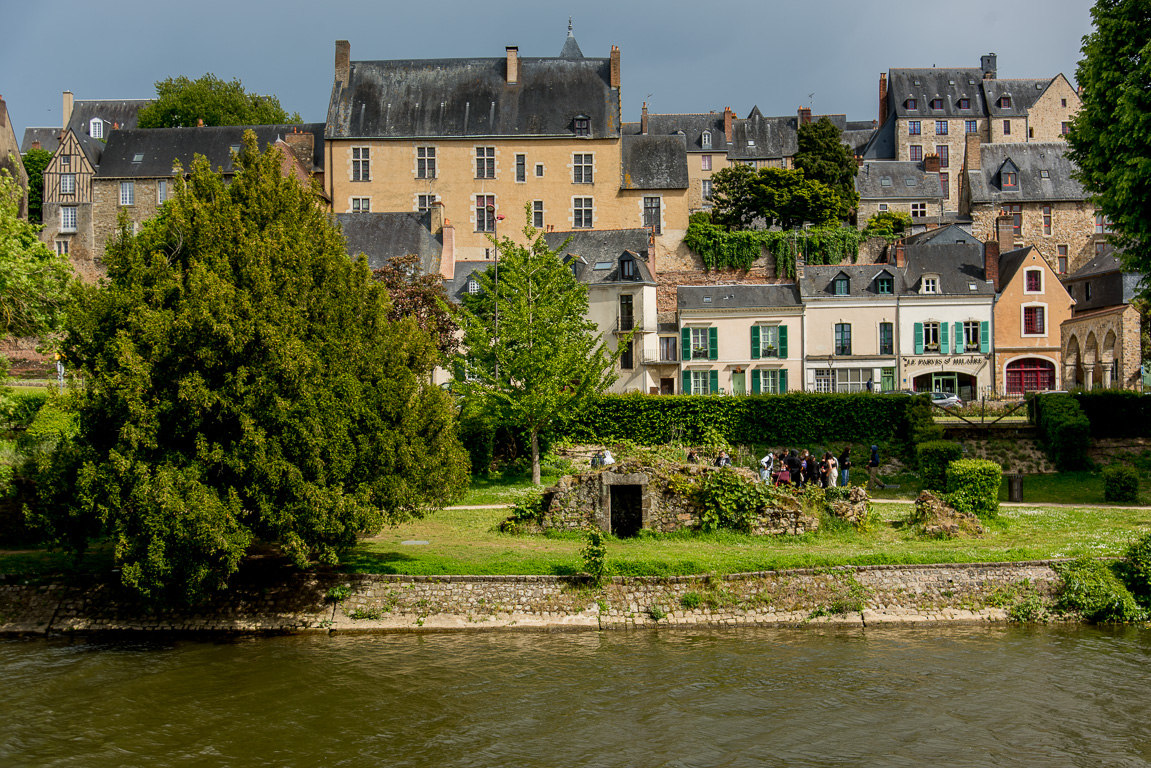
(823, 157)
(243, 384)
(778, 196)
(181, 102)
(550, 358)
(421, 297)
(1110, 136)
(35, 161)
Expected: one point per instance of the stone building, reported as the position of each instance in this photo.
(901, 186)
(10, 157)
(1101, 340)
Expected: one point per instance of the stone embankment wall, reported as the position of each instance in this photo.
(863, 596)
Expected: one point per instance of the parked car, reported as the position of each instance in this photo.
(946, 400)
(909, 392)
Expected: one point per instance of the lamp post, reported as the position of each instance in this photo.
(491, 211)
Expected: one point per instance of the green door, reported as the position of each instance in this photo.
(738, 387)
(886, 379)
(945, 382)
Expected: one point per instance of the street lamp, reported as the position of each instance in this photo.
(491, 211)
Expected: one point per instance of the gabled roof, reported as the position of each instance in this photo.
(818, 281)
(691, 125)
(1010, 262)
(894, 179)
(457, 286)
(431, 98)
(1103, 264)
(384, 236)
(93, 149)
(604, 248)
(756, 136)
(1031, 159)
(724, 297)
(1023, 93)
(881, 145)
(654, 162)
(951, 234)
(923, 85)
(49, 139)
(114, 112)
(158, 148)
(958, 267)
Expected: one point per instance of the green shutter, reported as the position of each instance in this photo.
(713, 380)
(985, 337)
(755, 343)
(782, 381)
(959, 339)
(919, 338)
(686, 383)
(755, 377)
(685, 334)
(782, 342)
(712, 343)
(944, 339)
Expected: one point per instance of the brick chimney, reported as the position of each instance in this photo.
(804, 116)
(991, 263)
(303, 145)
(882, 97)
(1005, 232)
(68, 100)
(36, 144)
(900, 261)
(971, 159)
(343, 62)
(859, 161)
(931, 163)
(643, 120)
(615, 66)
(436, 211)
(728, 117)
(513, 64)
(448, 252)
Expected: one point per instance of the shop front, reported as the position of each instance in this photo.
(967, 376)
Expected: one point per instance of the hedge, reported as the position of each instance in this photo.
(932, 459)
(795, 418)
(1120, 483)
(973, 486)
(19, 409)
(1063, 428)
(1116, 413)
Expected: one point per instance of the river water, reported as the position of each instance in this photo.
(953, 696)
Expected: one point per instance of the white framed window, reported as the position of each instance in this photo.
(651, 214)
(521, 168)
(68, 218)
(1033, 281)
(425, 162)
(538, 214)
(971, 335)
(706, 188)
(699, 343)
(361, 164)
(65, 161)
(1035, 320)
(705, 140)
(768, 381)
(473, 285)
(883, 206)
(67, 183)
(930, 284)
(823, 380)
(852, 379)
(127, 193)
(582, 168)
(485, 213)
(62, 247)
(485, 162)
(583, 210)
(705, 162)
(699, 382)
(361, 205)
(931, 337)
(161, 191)
(424, 202)
(96, 128)
(769, 341)
(539, 170)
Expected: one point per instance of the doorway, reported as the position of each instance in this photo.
(739, 383)
(667, 386)
(626, 510)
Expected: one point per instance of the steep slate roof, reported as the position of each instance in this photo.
(93, 148)
(654, 162)
(1010, 262)
(49, 139)
(949, 235)
(1023, 93)
(691, 125)
(756, 136)
(1102, 264)
(923, 85)
(431, 98)
(1030, 159)
(122, 112)
(457, 286)
(724, 297)
(571, 49)
(881, 145)
(958, 267)
(159, 147)
(384, 236)
(906, 178)
(604, 247)
(817, 281)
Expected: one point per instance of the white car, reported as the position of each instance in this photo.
(945, 400)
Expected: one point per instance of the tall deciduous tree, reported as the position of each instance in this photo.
(35, 161)
(1110, 136)
(823, 157)
(777, 196)
(244, 383)
(551, 359)
(182, 102)
(421, 297)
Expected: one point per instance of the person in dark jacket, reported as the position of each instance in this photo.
(873, 468)
(845, 466)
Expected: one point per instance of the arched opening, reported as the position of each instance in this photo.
(1110, 361)
(1072, 368)
(953, 382)
(1090, 362)
(1030, 374)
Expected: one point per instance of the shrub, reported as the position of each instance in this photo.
(594, 555)
(477, 433)
(1116, 413)
(18, 409)
(691, 600)
(973, 486)
(1064, 430)
(919, 424)
(932, 458)
(1092, 589)
(728, 500)
(1120, 483)
(1137, 568)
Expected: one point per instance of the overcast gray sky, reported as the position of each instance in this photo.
(681, 56)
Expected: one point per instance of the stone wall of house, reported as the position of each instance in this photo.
(106, 211)
(1072, 225)
(1091, 342)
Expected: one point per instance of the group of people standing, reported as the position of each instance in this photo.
(801, 468)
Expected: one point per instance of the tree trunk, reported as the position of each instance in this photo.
(535, 458)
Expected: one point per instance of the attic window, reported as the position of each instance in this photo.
(235, 149)
(885, 284)
(582, 125)
(917, 82)
(473, 286)
(911, 181)
(1005, 102)
(885, 181)
(705, 139)
(1045, 174)
(930, 284)
(627, 269)
(751, 142)
(706, 299)
(970, 82)
(972, 287)
(1010, 179)
(937, 103)
(96, 128)
(912, 103)
(602, 265)
(138, 157)
(841, 286)
(965, 103)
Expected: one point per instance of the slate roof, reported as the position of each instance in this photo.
(723, 297)
(1102, 264)
(892, 179)
(1030, 159)
(958, 266)
(457, 286)
(1010, 262)
(654, 162)
(159, 147)
(1023, 93)
(430, 98)
(571, 49)
(122, 112)
(948, 235)
(923, 85)
(93, 148)
(691, 125)
(818, 281)
(604, 247)
(384, 236)
(49, 139)
(756, 136)
(881, 145)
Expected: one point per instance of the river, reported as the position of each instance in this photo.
(954, 696)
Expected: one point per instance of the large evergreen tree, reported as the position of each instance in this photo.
(1110, 136)
(243, 383)
(822, 156)
(181, 102)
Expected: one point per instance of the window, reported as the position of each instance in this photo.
(912, 104)
(424, 202)
(1010, 179)
(538, 214)
(1005, 102)
(361, 204)
(931, 285)
(970, 126)
(944, 156)
(1102, 223)
(65, 161)
(485, 162)
(705, 162)
(582, 126)
(1006, 127)
(627, 269)
(965, 103)
(841, 286)
(851, 379)
(62, 247)
(1033, 320)
(706, 188)
(161, 191)
(667, 349)
(127, 193)
(1045, 174)
(883, 206)
(1063, 102)
(705, 140)
(626, 313)
(521, 168)
(539, 170)
(1061, 251)
(971, 335)
(425, 162)
(823, 380)
(473, 284)
(1016, 211)
(699, 382)
(582, 212)
(485, 213)
(1033, 281)
(940, 127)
(96, 128)
(651, 213)
(67, 183)
(918, 210)
(886, 339)
(769, 341)
(885, 284)
(931, 337)
(627, 356)
(937, 103)
(843, 338)
(913, 128)
(68, 219)
(1047, 219)
(771, 382)
(945, 184)
(1065, 128)
(915, 152)
(1100, 247)
(582, 169)
(1087, 291)
(361, 164)
(699, 343)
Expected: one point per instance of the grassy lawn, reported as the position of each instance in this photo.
(1050, 488)
(501, 489)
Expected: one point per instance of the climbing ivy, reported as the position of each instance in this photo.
(723, 249)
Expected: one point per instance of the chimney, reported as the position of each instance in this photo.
(859, 161)
(987, 64)
(1005, 232)
(343, 62)
(3, 113)
(728, 117)
(68, 99)
(800, 263)
(513, 64)
(37, 145)
(615, 66)
(971, 160)
(931, 163)
(303, 147)
(436, 210)
(448, 252)
(643, 120)
(882, 97)
(900, 261)
(991, 263)
(804, 115)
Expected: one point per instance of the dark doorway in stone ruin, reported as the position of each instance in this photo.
(626, 510)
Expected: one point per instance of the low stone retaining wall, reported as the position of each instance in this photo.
(860, 596)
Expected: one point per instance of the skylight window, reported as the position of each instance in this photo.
(885, 181)
(1045, 174)
(706, 299)
(602, 265)
(911, 181)
(138, 157)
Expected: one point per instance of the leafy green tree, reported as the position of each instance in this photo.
(1110, 136)
(823, 157)
(421, 297)
(182, 102)
(244, 383)
(777, 196)
(35, 161)
(551, 359)
(889, 224)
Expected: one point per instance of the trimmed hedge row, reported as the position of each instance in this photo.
(796, 418)
(973, 486)
(1063, 428)
(1116, 413)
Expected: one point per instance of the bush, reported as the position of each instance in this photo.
(1137, 568)
(919, 424)
(1116, 413)
(477, 432)
(728, 500)
(1064, 430)
(18, 409)
(973, 486)
(1092, 589)
(932, 458)
(1120, 483)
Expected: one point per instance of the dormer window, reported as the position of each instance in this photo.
(582, 125)
(930, 284)
(627, 269)
(937, 103)
(912, 104)
(96, 128)
(841, 286)
(1010, 179)
(705, 140)
(965, 103)
(1005, 102)
(473, 285)
(885, 284)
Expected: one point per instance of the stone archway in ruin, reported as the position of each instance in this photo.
(1072, 365)
(1107, 354)
(1090, 362)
